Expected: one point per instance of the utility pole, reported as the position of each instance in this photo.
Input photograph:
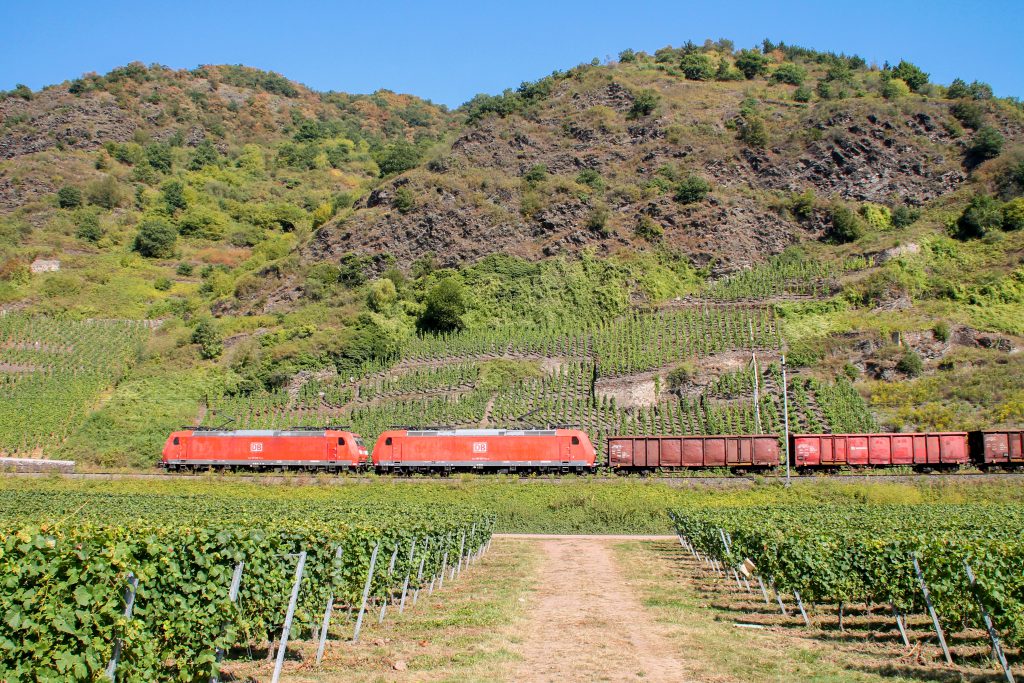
(785, 416)
(757, 393)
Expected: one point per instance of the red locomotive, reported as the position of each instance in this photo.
(298, 448)
(506, 450)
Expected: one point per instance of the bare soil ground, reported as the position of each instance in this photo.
(586, 624)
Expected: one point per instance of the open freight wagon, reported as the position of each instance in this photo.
(740, 452)
(933, 450)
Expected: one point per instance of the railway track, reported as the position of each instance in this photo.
(670, 480)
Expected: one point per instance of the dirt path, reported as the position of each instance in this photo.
(586, 624)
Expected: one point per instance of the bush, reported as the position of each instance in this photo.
(726, 72)
(987, 143)
(968, 113)
(173, 195)
(895, 88)
(982, 215)
(156, 239)
(751, 63)
(846, 226)
(753, 131)
(159, 157)
(957, 89)
(536, 174)
(790, 73)
(185, 269)
(88, 222)
(802, 205)
(851, 371)
(904, 215)
(69, 197)
(205, 155)
(397, 158)
(627, 55)
(877, 217)
(104, 193)
(941, 331)
(404, 200)
(591, 179)
(644, 103)
(351, 269)
(1013, 214)
(202, 221)
(445, 305)
(692, 189)
(911, 75)
(802, 94)
(162, 284)
(206, 336)
(382, 295)
(649, 229)
(697, 67)
(597, 219)
(910, 364)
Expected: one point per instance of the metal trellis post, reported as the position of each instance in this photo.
(327, 618)
(931, 610)
(129, 603)
(366, 591)
(286, 630)
(236, 583)
(997, 649)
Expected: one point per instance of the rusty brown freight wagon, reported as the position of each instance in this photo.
(1001, 448)
(757, 451)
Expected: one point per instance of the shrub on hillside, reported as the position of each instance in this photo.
(987, 143)
(156, 239)
(726, 72)
(910, 364)
(591, 178)
(397, 157)
(910, 74)
(536, 174)
(697, 67)
(692, 189)
(1013, 214)
(802, 94)
(627, 55)
(981, 216)
(895, 88)
(968, 113)
(88, 225)
(801, 205)
(904, 215)
(846, 226)
(69, 197)
(790, 73)
(206, 336)
(159, 157)
(649, 229)
(205, 155)
(877, 217)
(104, 193)
(753, 131)
(202, 221)
(445, 306)
(751, 63)
(941, 331)
(352, 269)
(976, 90)
(644, 103)
(404, 200)
(597, 219)
(173, 196)
(382, 295)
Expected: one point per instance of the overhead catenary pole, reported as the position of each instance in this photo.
(785, 417)
(757, 393)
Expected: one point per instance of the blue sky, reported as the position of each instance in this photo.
(449, 51)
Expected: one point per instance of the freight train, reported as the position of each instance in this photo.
(443, 450)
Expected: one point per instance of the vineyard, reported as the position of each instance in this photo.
(163, 586)
(914, 559)
(52, 372)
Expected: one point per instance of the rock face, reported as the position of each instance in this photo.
(479, 199)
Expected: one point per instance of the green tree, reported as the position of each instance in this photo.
(726, 72)
(846, 225)
(697, 67)
(911, 75)
(968, 113)
(206, 336)
(627, 55)
(904, 215)
(644, 103)
(802, 94)
(69, 197)
(156, 239)
(894, 88)
(445, 306)
(104, 193)
(88, 225)
(159, 157)
(752, 63)
(957, 89)
(987, 143)
(382, 295)
(351, 269)
(397, 157)
(692, 189)
(791, 73)
(981, 216)
(173, 196)
(206, 154)
(1013, 214)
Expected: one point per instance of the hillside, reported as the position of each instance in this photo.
(607, 247)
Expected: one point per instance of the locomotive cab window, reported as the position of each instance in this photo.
(177, 441)
(387, 441)
(341, 441)
(575, 441)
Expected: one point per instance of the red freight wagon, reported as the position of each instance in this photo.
(836, 450)
(751, 451)
(998, 447)
(483, 449)
(259, 448)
